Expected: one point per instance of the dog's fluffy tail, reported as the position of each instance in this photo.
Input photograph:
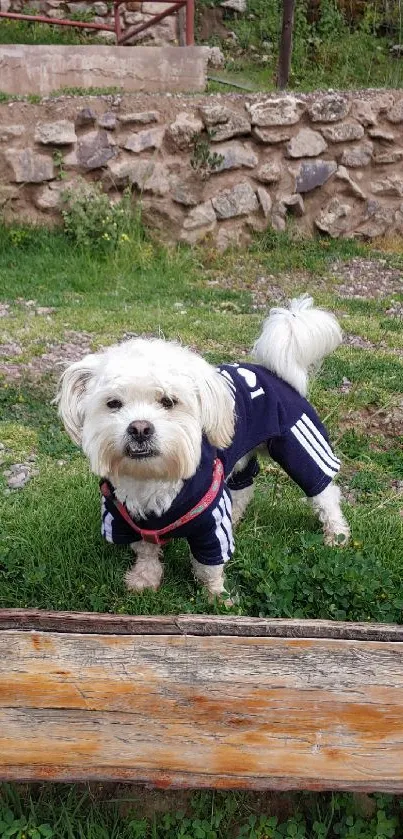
(294, 341)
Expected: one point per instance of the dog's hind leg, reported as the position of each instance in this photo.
(240, 501)
(148, 570)
(327, 506)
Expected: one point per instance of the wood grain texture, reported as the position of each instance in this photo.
(202, 711)
(95, 622)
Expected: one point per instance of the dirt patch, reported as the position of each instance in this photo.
(367, 279)
(4, 310)
(361, 343)
(56, 356)
(370, 420)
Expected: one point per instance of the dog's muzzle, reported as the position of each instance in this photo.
(140, 444)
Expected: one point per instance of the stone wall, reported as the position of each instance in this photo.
(133, 12)
(216, 167)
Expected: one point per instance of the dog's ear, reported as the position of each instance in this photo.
(71, 391)
(216, 405)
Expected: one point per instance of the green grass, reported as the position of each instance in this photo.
(51, 552)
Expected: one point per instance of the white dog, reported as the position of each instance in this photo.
(174, 438)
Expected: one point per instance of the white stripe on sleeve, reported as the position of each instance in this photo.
(331, 460)
(331, 472)
(321, 439)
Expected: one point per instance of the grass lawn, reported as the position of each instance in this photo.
(56, 303)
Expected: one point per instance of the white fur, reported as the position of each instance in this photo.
(140, 373)
(294, 341)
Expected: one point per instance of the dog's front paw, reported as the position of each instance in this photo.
(144, 575)
(337, 538)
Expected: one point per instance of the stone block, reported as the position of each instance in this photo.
(306, 143)
(59, 133)
(238, 201)
(28, 167)
(281, 110)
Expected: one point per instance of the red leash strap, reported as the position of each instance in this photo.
(154, 536)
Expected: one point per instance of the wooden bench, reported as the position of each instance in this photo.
(199, 701)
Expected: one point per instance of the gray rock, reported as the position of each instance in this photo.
(49, 197)
(236, 5)
(213, 114)
(357, 156)
(95, 149)
(186, 192)
(344, 132)
(392, 156)
(377, 221)
(146, 175)
(381, 134)
(392, 185)
(29, 167)
(238, 201)
(332, 218)
(278, 222)
(363, 112)
(184, 129)
(306, 143)
(216, 58)
(8, 132)
(395, 113)
(100, 8)
(271, 136)
(142, 117)
(151, 138)
(85, 117)
(280, 110)
(200, 216)
(312, 174)
(329, 108)
(264, 201)
(235, 156)
(61, 133)
(222, 123)
(269, 173)
(343, 175)
(108, 121)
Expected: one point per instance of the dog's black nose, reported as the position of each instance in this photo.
(141, 430)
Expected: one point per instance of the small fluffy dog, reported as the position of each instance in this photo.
(174, 438)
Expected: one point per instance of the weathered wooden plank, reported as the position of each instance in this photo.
(93, 622)
(213, 711)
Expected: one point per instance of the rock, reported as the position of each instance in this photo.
(85, 117)
(392, 185)
(100, 8)
(269, 173)
(238, 201)
(231, 236)
(8, 132)
(187, 192)
(377, 220)
(49, 197)
(29, 167)
(278, 222)
(395, 113)
(293, 203)
(142, 117)
(19, 474)
(392, 156)
(184, 129)
(222, 123)
(343, 175)
(329, 108)
(235, 156)
(236, 5)
(216, 58)
(146, 175)
(8, 193)
(95, 149)
(306, 143)
(363, 112)
(280, 110)
(357, 156)
(312, 174)
(344, 132)
(200, 216)
(61, 133)
(108, 121)
(271, 135)
(264, 200)
(381, 134)
(332, 218)
(151, 138)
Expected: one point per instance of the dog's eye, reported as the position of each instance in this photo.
(167, 402)
(114, 404)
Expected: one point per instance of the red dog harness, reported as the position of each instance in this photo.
(154, 536)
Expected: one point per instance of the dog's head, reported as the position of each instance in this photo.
(141, 409)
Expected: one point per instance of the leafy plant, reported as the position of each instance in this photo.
(22, 828)
(203, 160)
(92, 221)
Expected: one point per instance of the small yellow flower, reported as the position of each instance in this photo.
(124, 237)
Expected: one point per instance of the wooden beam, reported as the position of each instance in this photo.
(200, 705)
(284, 61)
